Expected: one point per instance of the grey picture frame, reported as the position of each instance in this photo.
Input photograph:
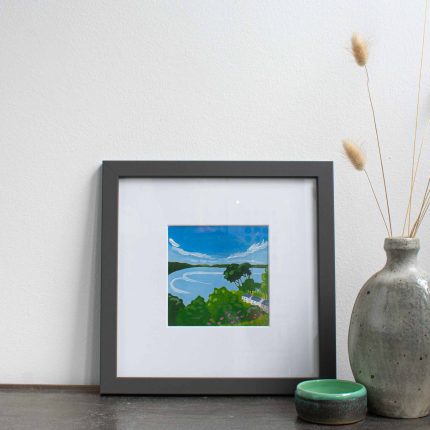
(113, 171)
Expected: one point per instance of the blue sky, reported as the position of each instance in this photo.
(218, 244)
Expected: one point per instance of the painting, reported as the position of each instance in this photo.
(218, 276)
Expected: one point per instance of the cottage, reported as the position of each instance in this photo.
(256, 301)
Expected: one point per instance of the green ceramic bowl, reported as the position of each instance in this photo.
(331, 401)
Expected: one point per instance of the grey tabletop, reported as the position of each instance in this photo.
(35, 409)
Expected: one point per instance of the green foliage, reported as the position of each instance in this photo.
(261, 320)
(225, 307)
(245, 268)
(175, 304)
(196, 313)
(264, 290)
(235, 272)
(249, 286)
(252, 312)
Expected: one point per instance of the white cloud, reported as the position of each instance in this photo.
(255, 247)
(191, 254)
(209, 259)
(173, 243)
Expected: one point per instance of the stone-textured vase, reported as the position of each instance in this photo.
(389, 334)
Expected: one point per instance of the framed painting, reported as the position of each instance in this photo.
(217, 277)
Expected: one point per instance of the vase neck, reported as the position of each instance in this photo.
(401, 251)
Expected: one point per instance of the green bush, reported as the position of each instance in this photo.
(175, 304)
(196, 313)
(225, 307)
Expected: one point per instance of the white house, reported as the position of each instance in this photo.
(256, 301)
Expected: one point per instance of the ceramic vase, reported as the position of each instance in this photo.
(389, 334)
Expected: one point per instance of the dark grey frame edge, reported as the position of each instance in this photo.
(322, 171)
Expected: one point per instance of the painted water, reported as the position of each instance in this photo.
(189, 283)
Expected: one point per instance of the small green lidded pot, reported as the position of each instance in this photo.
(331, 401)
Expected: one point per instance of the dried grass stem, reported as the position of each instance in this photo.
(390, 233)
(415, 168)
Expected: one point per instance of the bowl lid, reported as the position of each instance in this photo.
(330, 389)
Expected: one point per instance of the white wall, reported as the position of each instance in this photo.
(84, 81)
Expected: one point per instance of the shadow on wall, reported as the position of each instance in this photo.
(87, 326)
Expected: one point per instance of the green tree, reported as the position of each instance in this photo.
(245, 269)
(175, 304)
(196, 313)
(264, 290)
(250, 286)
(235, 272)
